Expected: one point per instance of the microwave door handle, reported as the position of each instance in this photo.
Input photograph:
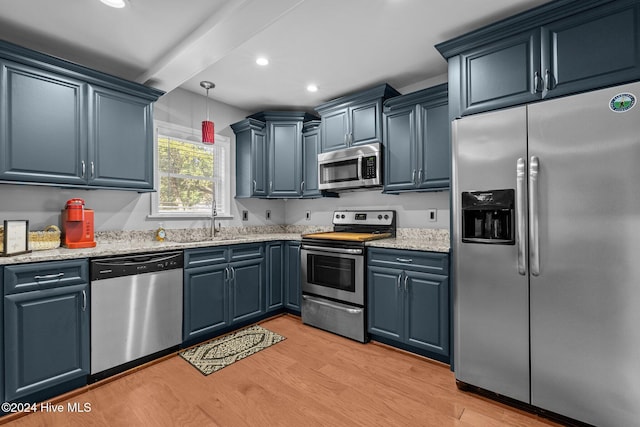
(360, 177)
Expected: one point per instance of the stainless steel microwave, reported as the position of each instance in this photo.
(350, 168)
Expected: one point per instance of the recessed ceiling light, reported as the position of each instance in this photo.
(262, 61)
(118, 4)
(312, 88)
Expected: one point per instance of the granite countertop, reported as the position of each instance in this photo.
(113, 243)
(420, 239)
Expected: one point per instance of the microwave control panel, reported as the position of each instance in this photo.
(369, 167)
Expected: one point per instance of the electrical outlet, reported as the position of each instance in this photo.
(245, 215)
(308, 216)
(432, 215)
(267, 214)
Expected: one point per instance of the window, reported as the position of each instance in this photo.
(190, 174)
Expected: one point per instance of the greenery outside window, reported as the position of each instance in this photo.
(190, 174)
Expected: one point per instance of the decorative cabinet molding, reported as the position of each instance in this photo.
(66, 125)
(560, 48)
(354, 119)
(270, 158)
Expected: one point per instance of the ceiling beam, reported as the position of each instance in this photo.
(237, 22)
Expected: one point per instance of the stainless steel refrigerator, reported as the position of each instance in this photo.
(546, 254)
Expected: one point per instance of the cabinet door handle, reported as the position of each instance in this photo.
(548, 78)
(254, 186)
(93, 170)
(84, 300)
(536, 82)
(226, 274)
(270, 186)
(413, 176)
(233, 274)
(84, 168)
(406, 287)
(404, 260)
(346, 139)
(302, 187)
(399, 279)
(49, 276)
(420, 172)
(350, 138)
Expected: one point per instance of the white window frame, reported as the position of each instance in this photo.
(189, 134)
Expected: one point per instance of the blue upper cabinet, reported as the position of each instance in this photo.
(353, 119)
(310, 151)
(269, 155)
(598, 48)
(559, 48)
(251, 158)
(120, 123)
(503, 73)
(416, 141)
(285, 158)
(42, 136)
(64, 124)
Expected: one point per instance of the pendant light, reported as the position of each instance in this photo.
(207, 125)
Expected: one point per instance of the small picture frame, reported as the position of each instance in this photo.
(16, 237)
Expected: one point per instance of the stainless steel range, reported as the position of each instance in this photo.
(334, 271)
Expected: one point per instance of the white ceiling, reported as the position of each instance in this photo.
(340, 45)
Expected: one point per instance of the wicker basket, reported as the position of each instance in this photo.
(47, 239)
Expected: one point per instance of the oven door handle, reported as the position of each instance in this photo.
(330, 305)
(333, 250)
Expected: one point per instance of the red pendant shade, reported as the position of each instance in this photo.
(208, 132)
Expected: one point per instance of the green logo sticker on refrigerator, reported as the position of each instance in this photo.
(622, 102)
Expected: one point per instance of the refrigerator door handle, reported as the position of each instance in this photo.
(520, 216)
(534, 239)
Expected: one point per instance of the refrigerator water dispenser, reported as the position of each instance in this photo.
(488, 217)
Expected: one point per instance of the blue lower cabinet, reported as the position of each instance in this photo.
(246, 290)
(226, 289)
(292, 280)
(408, 307)
(46, 329)
(427, 312)
(205, 301)
(46, 340)
(275, 276)
(386, 303)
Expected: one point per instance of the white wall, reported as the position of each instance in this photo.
(127, 210)
(411, 208)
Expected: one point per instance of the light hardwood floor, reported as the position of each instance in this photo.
(313, 378)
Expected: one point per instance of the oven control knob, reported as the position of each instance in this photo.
(337, 216)
(379, 216)
(386, 217)
(342, 216)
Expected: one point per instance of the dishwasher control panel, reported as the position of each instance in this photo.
(107, 268)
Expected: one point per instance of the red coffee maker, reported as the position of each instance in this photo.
(77, 225)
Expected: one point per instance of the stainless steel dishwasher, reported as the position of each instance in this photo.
(136, 310)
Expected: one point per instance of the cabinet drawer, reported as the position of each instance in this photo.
(44, 275)
(427, 262)
(205, 256)
(246, 251)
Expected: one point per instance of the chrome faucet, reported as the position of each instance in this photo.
(214, 213)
